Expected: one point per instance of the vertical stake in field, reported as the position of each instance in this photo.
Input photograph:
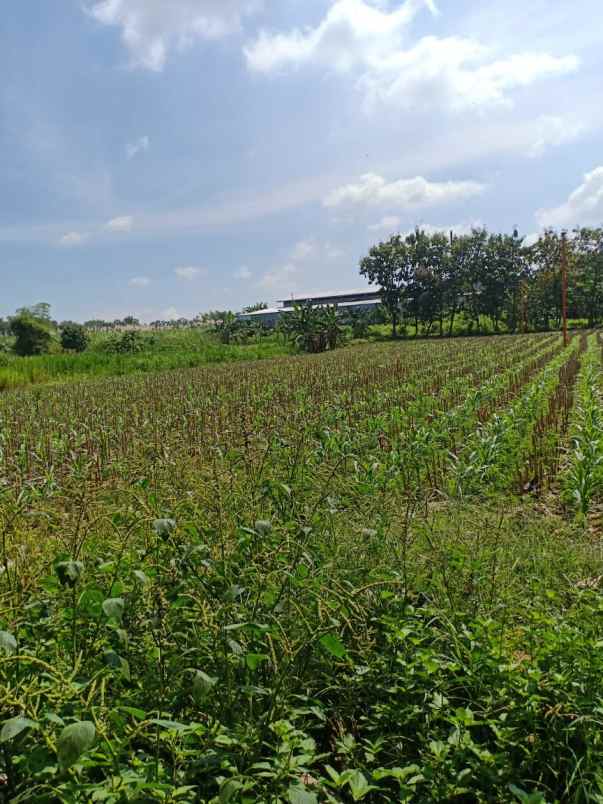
(564, 286)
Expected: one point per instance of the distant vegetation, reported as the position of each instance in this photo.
(493, 280)
(431, 285)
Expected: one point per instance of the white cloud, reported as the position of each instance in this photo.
(73, 239)
(139, 282)
(171, 314)
(333, 252)
(374, 190)
(352, 34)
(123, 224)
(531, 238)
(151, 28)
(391, 224)
(584, 207)
(388, 223)
(189, 272)
(372, 44)
(140, 146)
(458, 229)
(243, 273)
(303, 249)
(554, 132)
(280, 278)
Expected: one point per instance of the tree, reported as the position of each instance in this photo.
(33, 335)
(586, 287)
(255, 308)
(74, 336)
(359, 321)
(41, 311)
(544, 298)
(313, 329)
(383, 267)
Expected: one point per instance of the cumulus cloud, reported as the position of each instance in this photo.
(333, 252)
(387, 223)
(171, 314)
(140, 146)
(458, 229)
(374, 190)
(584, 207)
(139, 282)
(243, 273)
(151, 28)
(372, 44)
(554, 132)
(189, 272)
(303, 249)
(280, 278)
(531, 238)
(73, 239)
(123, 224)
(391, 223)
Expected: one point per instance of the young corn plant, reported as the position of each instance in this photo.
(583, 476)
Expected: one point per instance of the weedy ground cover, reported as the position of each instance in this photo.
(159, 352)
(304, 580)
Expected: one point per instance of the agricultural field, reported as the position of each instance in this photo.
(153, 352)
(366, 575)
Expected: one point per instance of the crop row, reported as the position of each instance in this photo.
(100, 425)
(583, 476)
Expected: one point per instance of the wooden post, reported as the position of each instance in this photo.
(564, 286)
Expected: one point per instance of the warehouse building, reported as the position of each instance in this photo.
(364, 300)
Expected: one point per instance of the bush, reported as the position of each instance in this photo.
(128, 343)
(33, 335)
(74, 337)
(360, 323)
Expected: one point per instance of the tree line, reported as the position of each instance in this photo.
(429, 280)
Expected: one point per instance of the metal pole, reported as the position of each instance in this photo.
(564, 286)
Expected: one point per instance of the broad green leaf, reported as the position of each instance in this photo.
(8, 644)
(141, 577)
(358, 784)
(333, 645)
(114, 607)
(253, 660)
(74, 741)
(263, 527)
(137, 714)
(14, 727)
(229, 790)
(164, 527)
(91, 602)
(299, 795)
(527, 798)
(203, 685)
(54, 718)
(69, 572)
(169, 725)
(117, 662)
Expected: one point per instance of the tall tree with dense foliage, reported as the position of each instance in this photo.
(489, 278)
(74, 336)
(33, 336)
(384, 266)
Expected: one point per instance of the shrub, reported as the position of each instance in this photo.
(127, 343)
(74, 337)
(360, 323)
(33, 335)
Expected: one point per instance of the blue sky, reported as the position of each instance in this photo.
(164, 158)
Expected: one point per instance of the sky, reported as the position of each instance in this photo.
(161, 159)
